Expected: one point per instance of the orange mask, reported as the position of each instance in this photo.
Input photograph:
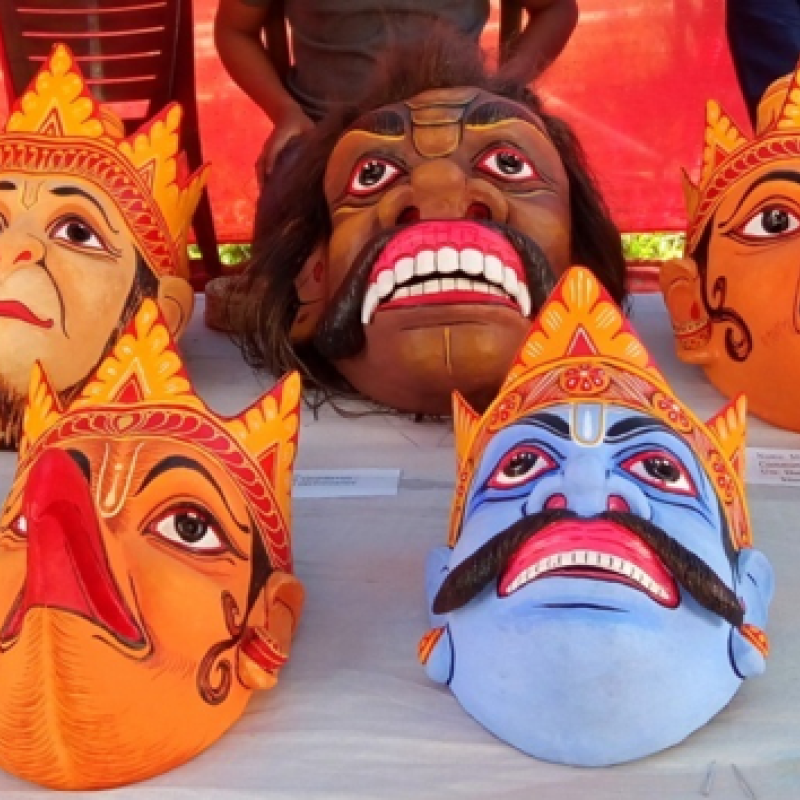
(734, 299)
(145, 568)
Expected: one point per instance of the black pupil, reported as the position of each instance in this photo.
(76, 232)
(509, 164)
(371, 173)
(662, 469)
(775, 220)
(190, 527)
(520, 464)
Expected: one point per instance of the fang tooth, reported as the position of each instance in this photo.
(385, 283)
(371, 300)
(472, 262)
(425, 263)
(22, 524)
(447, 260)
(524, 300)
(510, 281)
(493, 269)
(404, 270)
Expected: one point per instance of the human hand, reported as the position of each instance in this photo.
(285, 130)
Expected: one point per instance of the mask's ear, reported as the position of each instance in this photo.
(264, 646)
(754, 585)
(680, 285)
(311, 285)
(176, 301)
(435, 648)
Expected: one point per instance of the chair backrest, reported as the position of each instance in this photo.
(127, 49)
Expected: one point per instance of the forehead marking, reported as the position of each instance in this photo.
(30, 194)
(437, 127)
(588, 423)
(111, 504)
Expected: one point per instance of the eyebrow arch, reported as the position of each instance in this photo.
(552, 423)
(71, 191)
(383, 122)
(632, 426)
(778, 175)
(7, 186)
(182, 462)
(494, 111)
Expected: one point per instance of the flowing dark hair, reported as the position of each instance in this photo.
(293, 217)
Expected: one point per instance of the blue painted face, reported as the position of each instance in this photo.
(587, 642)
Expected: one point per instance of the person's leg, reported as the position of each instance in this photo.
(764, 40)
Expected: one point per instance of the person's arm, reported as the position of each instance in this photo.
(237, 35)
(550, 24)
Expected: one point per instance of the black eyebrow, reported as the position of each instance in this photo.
(383, 122)
(632, 426)
(182, 462)
(777, 175)
(552, 423)
(494, 111)
(70, 191)
(7, 186)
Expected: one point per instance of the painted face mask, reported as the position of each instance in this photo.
(146, 583)
(416, 235)
(734, 299)
(600, 599)
(90, 222)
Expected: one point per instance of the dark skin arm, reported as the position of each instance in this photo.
(237, 35)
(550, 24)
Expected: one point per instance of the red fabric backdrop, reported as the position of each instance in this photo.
(633, 82)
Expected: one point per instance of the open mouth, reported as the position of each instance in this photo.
(16, 310)
(594, 550)
(446, 262)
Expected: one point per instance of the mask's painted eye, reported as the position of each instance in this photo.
(507, 164)
(190, 528)
(662, 470)
(77, 232)
(771, 222)
(519, 466)
(373, 175)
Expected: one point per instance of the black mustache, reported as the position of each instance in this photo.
(490, 560)
(341, 333)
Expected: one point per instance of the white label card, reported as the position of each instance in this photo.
(346, 482)
(773, 466)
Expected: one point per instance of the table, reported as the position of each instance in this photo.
(354, 716)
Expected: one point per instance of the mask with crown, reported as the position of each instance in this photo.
(599, 599)
(734, 299)
(90, 223)
(146, 584)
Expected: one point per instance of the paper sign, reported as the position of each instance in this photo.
(773, 466)
(346, 482)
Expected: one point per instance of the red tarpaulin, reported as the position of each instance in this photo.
(633, 81)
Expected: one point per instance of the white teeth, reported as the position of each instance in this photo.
(386, 283)
(425, 263)
(371, 300)
(472, 262)
(493, 269)
(590, 558)
(510, 281)
(447, 260)
(524, 300)
(492, 277)
(403, 270)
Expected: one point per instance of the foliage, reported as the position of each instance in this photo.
(652, 246)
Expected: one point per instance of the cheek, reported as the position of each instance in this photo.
(351, 232)
(547, 222)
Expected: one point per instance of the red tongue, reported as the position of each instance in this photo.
(67, 568)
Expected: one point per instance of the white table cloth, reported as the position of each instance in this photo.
(354, 716)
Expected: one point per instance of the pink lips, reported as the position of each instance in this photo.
(17, 310)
